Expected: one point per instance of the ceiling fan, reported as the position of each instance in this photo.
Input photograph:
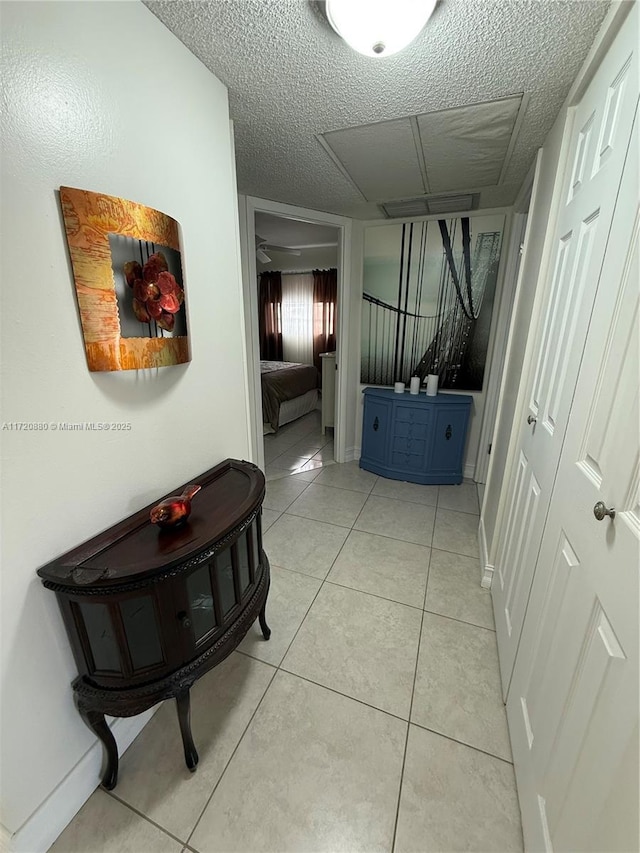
(263, 246)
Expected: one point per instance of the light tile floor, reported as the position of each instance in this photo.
(371, 721)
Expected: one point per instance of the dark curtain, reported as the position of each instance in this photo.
(270, 316)
(325, 298)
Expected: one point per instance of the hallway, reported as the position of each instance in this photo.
(372, 719)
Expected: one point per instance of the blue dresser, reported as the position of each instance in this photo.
(414, 437)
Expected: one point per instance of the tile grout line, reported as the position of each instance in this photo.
(344, 695)
(462, 743)
(461, 621)
(423, 609)
(372, 492)
(280, 668)
(376, 595)
(385, 535)
(393, 538)
(413, 692)
(140, 814)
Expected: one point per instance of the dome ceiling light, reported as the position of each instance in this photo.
(378, 28)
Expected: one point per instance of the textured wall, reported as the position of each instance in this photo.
(99, 96)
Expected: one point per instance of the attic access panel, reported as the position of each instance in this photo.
(467, 146)
(461, 148)
(380, 159)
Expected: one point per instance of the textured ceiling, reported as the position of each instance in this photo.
(291, 79)
(284, 231)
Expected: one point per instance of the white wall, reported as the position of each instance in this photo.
(99, 96)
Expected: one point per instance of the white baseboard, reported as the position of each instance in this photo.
(487, 577)
(486, 569)
(352, 454)
(469, 471)
(40, 830)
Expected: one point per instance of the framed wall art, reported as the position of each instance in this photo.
(427, 301)
(127, 269)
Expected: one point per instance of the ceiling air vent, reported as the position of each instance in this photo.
(452, 203)
(408, 207)
(424, 206)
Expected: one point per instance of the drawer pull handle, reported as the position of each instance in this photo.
(448, 433)
(376, 424)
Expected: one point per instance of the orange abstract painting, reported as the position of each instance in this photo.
(128, 275)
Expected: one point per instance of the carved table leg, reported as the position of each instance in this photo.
(266, 630)
(184, 718)
(97, 723)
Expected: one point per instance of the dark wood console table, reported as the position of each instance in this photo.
(148, 611)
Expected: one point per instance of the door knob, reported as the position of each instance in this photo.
(600, 511)
(531, 419)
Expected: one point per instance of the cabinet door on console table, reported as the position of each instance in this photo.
(375, 430)
(449, 437)
(413, 437)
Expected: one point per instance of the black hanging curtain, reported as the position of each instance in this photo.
(270, 316)
(325, 298)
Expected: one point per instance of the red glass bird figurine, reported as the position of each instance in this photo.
(174, 510)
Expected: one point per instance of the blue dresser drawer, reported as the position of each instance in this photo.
(407, 462)
(412, 414)
(411, 430)
(409, 445)
(415, 438)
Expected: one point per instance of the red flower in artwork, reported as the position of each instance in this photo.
(156, 264)
(132, 272)
(156, 293)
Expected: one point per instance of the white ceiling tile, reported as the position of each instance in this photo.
(380, 158)
(466, 147)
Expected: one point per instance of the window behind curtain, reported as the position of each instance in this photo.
(297, 317)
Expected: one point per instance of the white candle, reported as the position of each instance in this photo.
(432, 385)
(399, 387)
(415, 385)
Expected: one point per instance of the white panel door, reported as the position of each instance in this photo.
(601, 128)
(573, 701)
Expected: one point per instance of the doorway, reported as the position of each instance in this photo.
(271, 235)
(296, 263)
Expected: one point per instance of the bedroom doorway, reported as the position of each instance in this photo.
(293, 273)
(296, 265)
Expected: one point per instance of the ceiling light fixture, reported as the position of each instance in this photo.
(378, 28)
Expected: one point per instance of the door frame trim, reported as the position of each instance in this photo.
(248, 206)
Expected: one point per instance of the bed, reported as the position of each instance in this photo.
(289, 391)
